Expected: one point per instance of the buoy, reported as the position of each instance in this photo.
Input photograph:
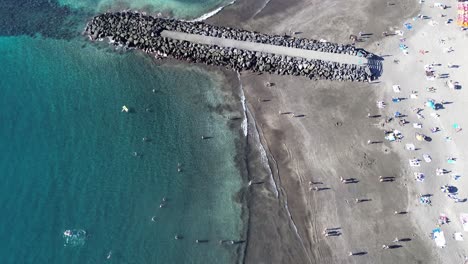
(125, 109)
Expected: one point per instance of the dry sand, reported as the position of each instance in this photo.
(328, 141)
(409, 73)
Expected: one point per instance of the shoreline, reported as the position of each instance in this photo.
(240, 161)
(324, 145)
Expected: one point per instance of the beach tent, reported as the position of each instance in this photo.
(439, 238)
(462, 13)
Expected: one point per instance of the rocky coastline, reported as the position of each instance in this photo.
(136, 30)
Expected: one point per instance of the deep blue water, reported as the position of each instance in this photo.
(67, 149)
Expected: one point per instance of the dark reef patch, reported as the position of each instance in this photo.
(45, 17)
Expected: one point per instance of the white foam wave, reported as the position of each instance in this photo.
(244, 124)
(212, 13)
(260, 10)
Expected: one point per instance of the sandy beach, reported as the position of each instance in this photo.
(325, 138)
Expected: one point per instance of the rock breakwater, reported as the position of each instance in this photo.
(136, 30)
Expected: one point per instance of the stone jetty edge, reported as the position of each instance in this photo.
(136, 30)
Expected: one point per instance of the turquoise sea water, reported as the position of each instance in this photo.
(67, 150)
(179, 8)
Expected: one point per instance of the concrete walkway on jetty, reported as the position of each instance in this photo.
(266, 48)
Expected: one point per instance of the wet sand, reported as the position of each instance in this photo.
(324, 141)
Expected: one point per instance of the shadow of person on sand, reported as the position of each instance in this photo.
(361, 253)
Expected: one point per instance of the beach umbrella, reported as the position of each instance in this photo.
(408, 26)
(431, 104)
(420, 137)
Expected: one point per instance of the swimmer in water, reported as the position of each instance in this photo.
(153, 218)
